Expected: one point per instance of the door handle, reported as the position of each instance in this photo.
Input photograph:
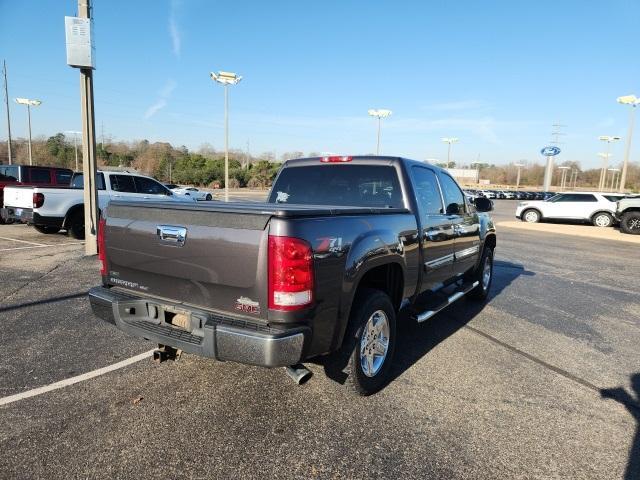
(172, 235)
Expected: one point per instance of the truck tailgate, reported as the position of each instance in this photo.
(18, 197)
(206, 257)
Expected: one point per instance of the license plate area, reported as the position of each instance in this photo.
(162, 315)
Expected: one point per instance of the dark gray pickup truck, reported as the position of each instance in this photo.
(343, 245)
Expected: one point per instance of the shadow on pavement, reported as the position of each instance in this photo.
(632, 405)
(62, 298)
(415, 340)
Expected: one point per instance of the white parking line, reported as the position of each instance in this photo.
(40, 246)
(21, 241)
(73, 380)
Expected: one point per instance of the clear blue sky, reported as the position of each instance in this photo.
(495, 74)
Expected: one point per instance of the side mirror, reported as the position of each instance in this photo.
(483, 204)
(453, 209)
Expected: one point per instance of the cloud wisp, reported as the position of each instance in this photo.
(161, 102)
(174, 31)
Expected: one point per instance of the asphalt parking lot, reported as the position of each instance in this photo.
(541, 382)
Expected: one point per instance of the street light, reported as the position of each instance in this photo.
(563, 177)
(519, 165)
(29, 103)
(379, 113)
(614, 172)
(449, 140)
(603, 172)
(226, 79)
(634, 102)
(75, 143)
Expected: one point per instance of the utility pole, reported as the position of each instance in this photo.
(519, 165)
(6, 101)
(88, 148)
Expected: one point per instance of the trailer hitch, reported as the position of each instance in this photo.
(165, 352)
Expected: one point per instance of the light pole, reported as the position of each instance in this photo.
(603, 172)
(614, 172)
(563, 178)
(634, 102)
(29, 103)
(519, 165)
(574, 178)
(379, 113)
(449, 140)
(605, 164)
(226, 79)
(75, 143)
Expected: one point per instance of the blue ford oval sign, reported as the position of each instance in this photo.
(550, 151)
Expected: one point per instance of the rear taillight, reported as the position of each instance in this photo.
(102, 253)
(336, 159)
(290, 273)
(38, 200)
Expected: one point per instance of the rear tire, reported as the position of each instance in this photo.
(76, 225)
(602, 219)
(484, 276)
(47, 230)
(630, 223)
(531, 216)
(208, 198)
(370, 341)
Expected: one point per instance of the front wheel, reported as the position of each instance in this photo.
(46, 229)
(531, 216)
(630, 223)
(370, 341)
(208, 197)
(602, 219)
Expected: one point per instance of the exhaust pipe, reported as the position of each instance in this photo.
(298, 373)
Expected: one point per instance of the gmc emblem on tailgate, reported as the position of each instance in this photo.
(170, 235)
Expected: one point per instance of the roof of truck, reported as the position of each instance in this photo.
(367, 159)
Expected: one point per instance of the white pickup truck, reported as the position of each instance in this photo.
(51, 209)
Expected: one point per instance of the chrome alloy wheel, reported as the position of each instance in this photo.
(603, 220)
(531, 216)
(374, 343)
(486, 273)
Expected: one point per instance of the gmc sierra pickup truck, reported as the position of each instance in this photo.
(342, 246)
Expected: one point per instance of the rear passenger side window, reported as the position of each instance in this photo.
(427, 191)
(122, 183)
(453, 196)
(39, 175)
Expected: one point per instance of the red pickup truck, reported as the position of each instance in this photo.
(32, 175)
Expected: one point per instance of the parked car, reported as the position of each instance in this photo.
(192, 192)
(323, 268)
(487, 193)
(11, 175)
(628, 214)
(520, 195)
(51, 209)
(508, 194)
(593, 207)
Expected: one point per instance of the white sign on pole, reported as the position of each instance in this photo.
(80, 49)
